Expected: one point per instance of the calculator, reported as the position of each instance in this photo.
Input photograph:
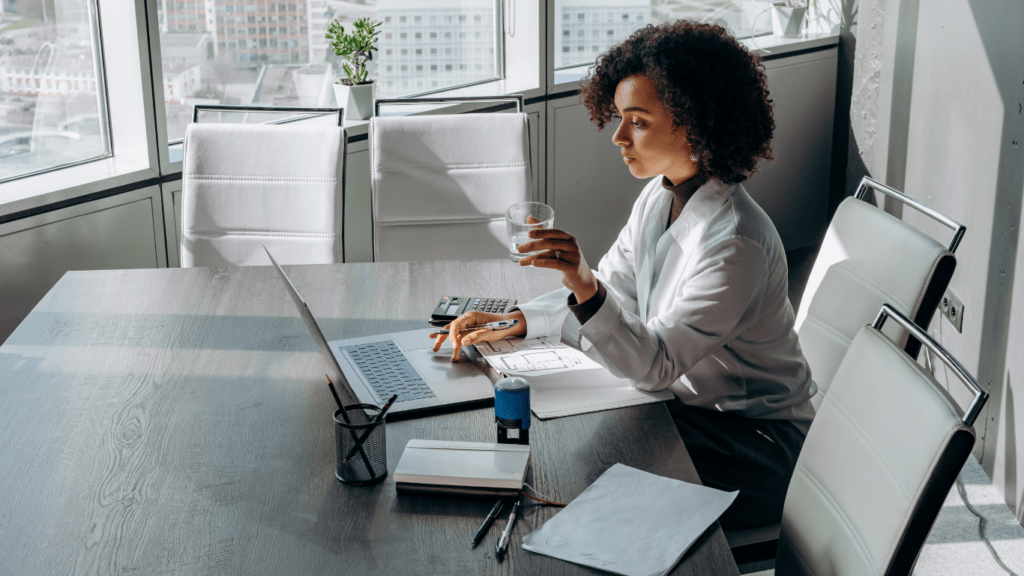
(451, 307)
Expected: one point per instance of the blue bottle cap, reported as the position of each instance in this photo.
(512, 383)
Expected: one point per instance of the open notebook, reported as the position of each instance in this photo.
(563, 380)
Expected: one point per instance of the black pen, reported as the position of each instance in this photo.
(502, 545)
(486, 525)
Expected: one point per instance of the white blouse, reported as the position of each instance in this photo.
(706, 314)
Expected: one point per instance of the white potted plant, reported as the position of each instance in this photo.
(354, 92)
(788, 17)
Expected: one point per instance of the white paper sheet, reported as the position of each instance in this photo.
(630, 522)
(580, 392)
(534, 357)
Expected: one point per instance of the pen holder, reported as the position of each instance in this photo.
(361, 454)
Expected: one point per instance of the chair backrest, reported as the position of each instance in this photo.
(879, 459)
(247, 184)
(441, 184)
(868, 258)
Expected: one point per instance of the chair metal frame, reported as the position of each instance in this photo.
(980, 396)
(233, 108)
(518, 99)
(868, 183)
(311, 112)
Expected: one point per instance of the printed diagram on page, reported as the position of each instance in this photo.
(535, 356)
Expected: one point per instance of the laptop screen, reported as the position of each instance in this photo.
(330, 362)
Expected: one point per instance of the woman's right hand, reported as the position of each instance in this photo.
(459, 338)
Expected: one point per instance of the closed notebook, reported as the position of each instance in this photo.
(462, 468)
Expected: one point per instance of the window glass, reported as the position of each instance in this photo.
(52, 110)
(584, 29)
(273, 52)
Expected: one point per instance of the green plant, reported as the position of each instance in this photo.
(357, 47)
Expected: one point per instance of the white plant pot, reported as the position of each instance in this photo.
(788, 22)
(356, 100)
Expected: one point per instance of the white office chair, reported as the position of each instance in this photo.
(880, 458)
(441, 183)
(247, 184)
(868, 258)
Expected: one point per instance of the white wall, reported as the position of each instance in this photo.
(951, 127)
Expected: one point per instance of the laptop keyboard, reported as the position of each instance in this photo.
(388, 371)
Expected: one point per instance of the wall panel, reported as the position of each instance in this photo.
(123, 231)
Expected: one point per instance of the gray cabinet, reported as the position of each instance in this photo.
(793, 189)
(123, 231)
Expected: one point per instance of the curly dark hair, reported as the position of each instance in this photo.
(712, 85)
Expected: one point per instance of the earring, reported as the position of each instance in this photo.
(693, 158)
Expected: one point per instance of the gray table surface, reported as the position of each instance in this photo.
(177, 422)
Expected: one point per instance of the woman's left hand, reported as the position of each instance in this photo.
(562, 253)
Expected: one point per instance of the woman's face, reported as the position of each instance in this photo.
(651, 144)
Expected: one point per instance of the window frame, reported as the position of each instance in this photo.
(133, 152)
(522, 75)
(139, 157)
(95, 32)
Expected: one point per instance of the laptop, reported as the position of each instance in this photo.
(371, 369)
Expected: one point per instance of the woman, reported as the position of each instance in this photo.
(693, 295)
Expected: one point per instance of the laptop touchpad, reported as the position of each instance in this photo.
(438, 366)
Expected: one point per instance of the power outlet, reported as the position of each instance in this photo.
(953, 309)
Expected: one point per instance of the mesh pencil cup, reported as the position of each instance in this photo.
(361, 445)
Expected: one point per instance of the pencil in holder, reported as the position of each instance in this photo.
(361, 445)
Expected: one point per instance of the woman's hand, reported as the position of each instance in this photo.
(460, 338)
(563, 254)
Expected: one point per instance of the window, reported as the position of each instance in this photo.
(463, 32)
(622, 17)
(44, 129)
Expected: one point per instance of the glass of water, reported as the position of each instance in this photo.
(518, 224)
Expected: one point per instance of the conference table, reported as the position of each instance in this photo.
(177, 421)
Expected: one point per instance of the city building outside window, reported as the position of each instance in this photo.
(619, 18)
(48, 125)
(291, 64)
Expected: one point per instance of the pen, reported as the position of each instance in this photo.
(506, 535)
(486, 525)
(344, 416)
(492, 326)
(360, 440)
